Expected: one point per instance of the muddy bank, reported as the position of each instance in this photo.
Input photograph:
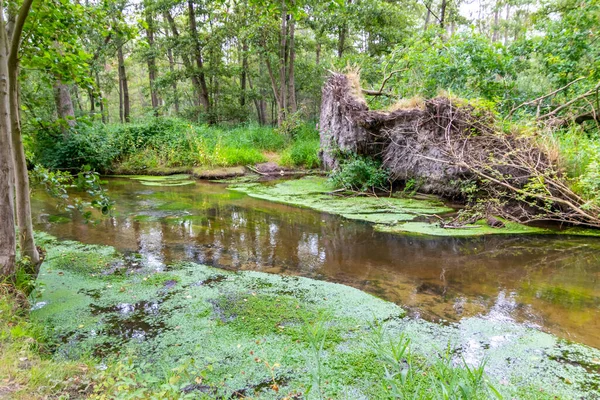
(258, 171)
(247, 331)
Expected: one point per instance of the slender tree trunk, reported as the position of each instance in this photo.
(204, 94)
(7, 216)
(186, 62)
(92, 101)
(496, 28)
(64, 103)
(506, 24)
(173, 80)
(244, 72)
(124, 86)
(259, 104)
(343, 32)
(100, 99)
(427, 15)
(151, 62)
(291, 89)
(318, 53)
(23, 202)
(281, 109)
(443, 13)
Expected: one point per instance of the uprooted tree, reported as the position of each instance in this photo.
(455, 150)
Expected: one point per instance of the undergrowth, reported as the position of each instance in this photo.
(170, 143)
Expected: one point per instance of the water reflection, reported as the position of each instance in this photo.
(552, 283)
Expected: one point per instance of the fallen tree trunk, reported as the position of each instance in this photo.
(450, 148)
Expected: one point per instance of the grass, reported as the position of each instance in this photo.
(162, 143)
(27, 370)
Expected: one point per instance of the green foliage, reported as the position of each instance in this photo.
(359, 173)
(304, 150)
(408, 376)
(56, 183)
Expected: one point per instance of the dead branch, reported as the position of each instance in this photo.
(589, 93)
(539, 99)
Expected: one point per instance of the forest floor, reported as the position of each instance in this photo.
(104, 324)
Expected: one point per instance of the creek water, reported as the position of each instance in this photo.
(548, 282)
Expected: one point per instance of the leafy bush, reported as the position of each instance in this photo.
(360, 173)
(302, 153)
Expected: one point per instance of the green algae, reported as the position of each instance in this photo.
(161, 181)
(389, 214)
(477, 229)
(242, 329)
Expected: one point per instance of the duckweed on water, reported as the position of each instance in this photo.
(390, 214)
(228, 334)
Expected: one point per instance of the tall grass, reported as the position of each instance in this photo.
(169, 142)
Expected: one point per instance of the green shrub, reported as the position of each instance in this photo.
(359, 173)
(231, 156)
(302, 153)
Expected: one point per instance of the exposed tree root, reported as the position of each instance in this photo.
(455, 150)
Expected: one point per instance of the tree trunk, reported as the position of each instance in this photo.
(124, 86)
(64, 104)
(7, 218)
(204, 95)
(506, 25)
(428, 15)
(100, 99)
(23, 202)
(260, 105)
(496, 28)
(186, 62)
(281, 109)
(173, 80)
(151, 61)
(443, 13)
(291, 89)
(244, 72)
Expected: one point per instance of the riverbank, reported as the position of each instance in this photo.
(188, 329)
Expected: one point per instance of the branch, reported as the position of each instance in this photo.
(18, 32)
(567, 104)
(539, 99)
(380, 92)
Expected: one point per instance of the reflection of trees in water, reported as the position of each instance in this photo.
(445, 277)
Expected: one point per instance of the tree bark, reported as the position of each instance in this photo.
(281, 109)
(64, 104)
(151, 61)
(186, 62)
(173, 80)
(126, 104)
(244, 72)
(443, 13)
(7, 217)
(291, 89)
(427, 15)
(259, 103)
(204, 95)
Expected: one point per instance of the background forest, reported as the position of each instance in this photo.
(129, 85)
